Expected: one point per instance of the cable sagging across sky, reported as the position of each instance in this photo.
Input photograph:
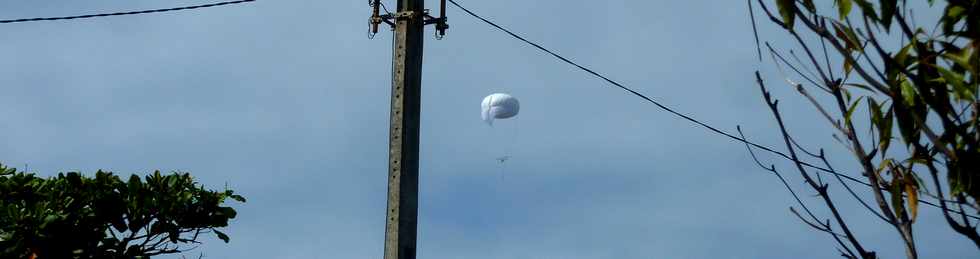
(124, 13)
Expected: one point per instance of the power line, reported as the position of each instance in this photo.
(668, 109)
(125, 13)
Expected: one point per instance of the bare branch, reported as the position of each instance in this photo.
(774, 54)
(821, 189)
(965, 228)
(755, 31)
(849, 190)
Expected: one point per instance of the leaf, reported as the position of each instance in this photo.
(898, 203)
(221, 235)
(171, 180)
(49, 219)
(843, 8)
(237, 197)
(888, 8)
(957, 81)
(955, 11)
(786, 9)
(913, 197)
(6, 170)
(903, 54)
(908, 93)
(134, 184)
(228, 211)
(850, 111)
(874, 110)
(877, 120)
(906, 125)
(962, 59)
(885, 131)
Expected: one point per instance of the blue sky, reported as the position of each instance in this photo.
(287, 103)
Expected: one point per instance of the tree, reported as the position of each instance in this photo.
(75, 216)
(921, 96)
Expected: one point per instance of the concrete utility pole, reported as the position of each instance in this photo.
(403, 155)
(403, 148)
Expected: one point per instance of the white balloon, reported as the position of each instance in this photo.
(499, 106)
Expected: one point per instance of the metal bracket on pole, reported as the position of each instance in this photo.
(390, 18)
(441, 25)
(407, 15)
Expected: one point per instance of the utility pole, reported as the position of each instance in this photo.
(401, 228)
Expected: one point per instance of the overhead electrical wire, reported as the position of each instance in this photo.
(125, 13)
(664, 107)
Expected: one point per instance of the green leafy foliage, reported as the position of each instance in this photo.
(931, 82)
(923, 90)
(75, 216)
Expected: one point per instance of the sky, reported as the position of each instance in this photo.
(286, 102)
